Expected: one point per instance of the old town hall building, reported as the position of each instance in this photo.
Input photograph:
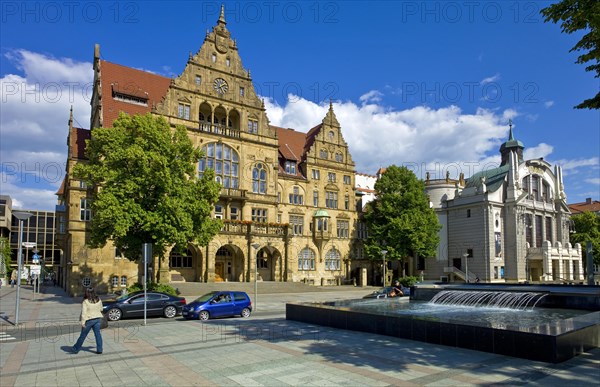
(287, 199)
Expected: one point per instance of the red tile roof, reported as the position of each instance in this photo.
(61, 190)
(120, 79)
(588, 206)
(291, 146)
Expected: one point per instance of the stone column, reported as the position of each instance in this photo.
(547, 266)
(210, 264)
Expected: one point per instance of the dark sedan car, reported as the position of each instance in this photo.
(219, 304)
(132, 305)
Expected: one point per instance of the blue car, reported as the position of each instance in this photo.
(218, 304)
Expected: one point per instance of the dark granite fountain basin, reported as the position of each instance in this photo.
(553, 335)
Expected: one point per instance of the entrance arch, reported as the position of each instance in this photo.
(229, 264)
(268, 264)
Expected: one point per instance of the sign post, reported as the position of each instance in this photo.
(147, 257)
(35, 271)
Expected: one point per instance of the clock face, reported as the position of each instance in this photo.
(220, 86)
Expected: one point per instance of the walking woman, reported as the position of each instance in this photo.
(91, 317)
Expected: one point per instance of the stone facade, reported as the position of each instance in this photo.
(508, 224)
(287, 201)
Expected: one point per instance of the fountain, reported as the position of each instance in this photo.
(544, 323)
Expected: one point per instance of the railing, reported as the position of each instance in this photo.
(233, 192)
(219, 129)
(245, 227)
(459, 273)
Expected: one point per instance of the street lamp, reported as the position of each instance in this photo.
(22, 216)
(255, 246)
(466, 255)
(384, 252)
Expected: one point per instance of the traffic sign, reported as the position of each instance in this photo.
(36, 269)
(35, 258)
(29, 245)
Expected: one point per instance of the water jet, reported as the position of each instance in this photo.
(543, 323)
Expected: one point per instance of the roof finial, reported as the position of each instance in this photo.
(510, 133)
(330, 104)
(222, 16)
(71, 117)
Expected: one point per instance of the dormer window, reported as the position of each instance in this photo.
(290, 167)
(130, 99)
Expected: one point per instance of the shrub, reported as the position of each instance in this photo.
(408, 281)
(153, 286)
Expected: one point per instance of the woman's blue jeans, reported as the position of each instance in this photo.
(89, 325)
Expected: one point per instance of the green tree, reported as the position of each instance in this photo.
(587, 229)
(576, 15)
(5, 255)
(146, 187)
(400, 220)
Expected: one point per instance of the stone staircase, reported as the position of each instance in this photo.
(264, 287)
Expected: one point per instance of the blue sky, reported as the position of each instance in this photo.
(427, 84)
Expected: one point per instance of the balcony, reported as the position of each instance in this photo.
(233, 193)
(221, 130)
(238, 227)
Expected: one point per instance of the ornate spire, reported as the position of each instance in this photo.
(511, 144)
(330, 118)
(222, 16)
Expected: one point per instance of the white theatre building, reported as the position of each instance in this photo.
(510, 223)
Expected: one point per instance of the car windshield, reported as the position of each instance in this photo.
(206, 297)
(122, 297)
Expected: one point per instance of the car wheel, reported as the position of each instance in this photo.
(245, 312)
(170, 311)
(203, 315)
(114, 314)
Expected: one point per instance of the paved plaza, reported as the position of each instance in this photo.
(264, 350)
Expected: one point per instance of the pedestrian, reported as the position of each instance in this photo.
(13, 278)
(91, 318)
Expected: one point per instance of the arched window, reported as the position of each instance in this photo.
(177, 259)
(224, 161)
(323, 154)
(306, 259)
(259, 179)
(332, 260)
(338, 157)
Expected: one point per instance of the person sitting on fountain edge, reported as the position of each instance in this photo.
(396, 290)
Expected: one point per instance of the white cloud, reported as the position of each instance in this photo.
(34, 124)
(548, 104)
(571, 165)
(371, 96)
(594, 181)
(422, 138)
(542, 150)
(493, 78)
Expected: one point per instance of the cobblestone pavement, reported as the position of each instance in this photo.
(264, 350)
